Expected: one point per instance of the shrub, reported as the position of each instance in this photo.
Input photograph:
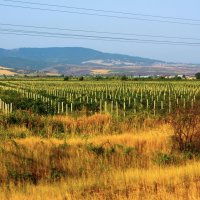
(163, 158)
(197, 75)
(66, 78)
(81, 78)
(124, 78)
(98, 150)
(186, 126)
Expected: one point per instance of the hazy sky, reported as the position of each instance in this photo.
(173, 8)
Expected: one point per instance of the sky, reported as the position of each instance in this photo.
(172, 8)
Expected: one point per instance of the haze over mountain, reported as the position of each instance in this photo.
(45, 57)
(80, 61)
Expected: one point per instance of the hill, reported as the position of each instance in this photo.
(38, 58)
(81, 61)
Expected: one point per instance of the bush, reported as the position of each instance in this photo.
(186, 126)
(66, 78)
(163, 159)
(124, 78)
(197, 75)
(98, 150)
(81, 78)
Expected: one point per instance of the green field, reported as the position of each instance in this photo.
(89, 97)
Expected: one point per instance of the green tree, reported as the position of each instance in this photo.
(124, 78)
(197, 75)
(81, 78)
(66, 78)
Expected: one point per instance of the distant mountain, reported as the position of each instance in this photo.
(84, 61)
(41, 58)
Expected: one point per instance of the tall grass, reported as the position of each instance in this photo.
(93, 157)
(61, 126)
(132, 165)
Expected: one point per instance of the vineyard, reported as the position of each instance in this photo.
(119, 99)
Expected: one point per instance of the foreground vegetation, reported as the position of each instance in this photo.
(133, 165)
(96, 154)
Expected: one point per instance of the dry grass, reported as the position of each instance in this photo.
(103, 166)
(7, 72)
(144, 141)
(164, 184)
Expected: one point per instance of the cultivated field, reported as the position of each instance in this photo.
(99, 140)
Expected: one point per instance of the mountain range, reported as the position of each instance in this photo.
(81, 61)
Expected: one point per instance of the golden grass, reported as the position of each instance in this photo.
(145, 141)
(104, 178)
(7, 72)
(97, 124)
(170, 183)
(17, 131)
